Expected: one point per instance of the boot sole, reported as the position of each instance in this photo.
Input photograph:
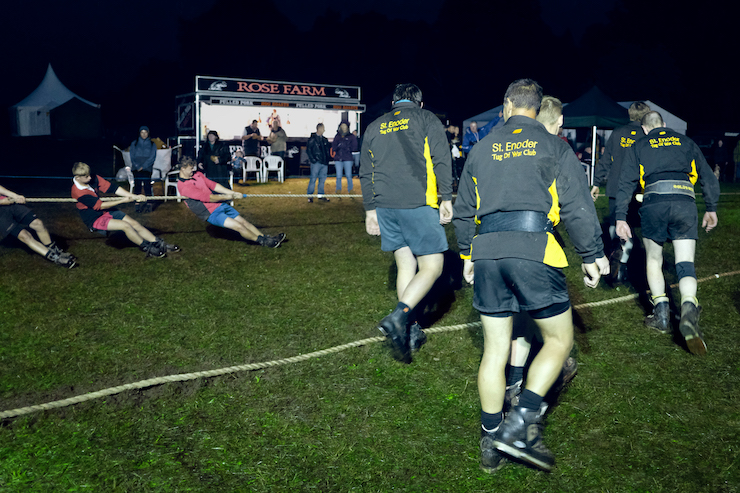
(70, 265)
(279, 242)
(491, 470)
(658, 330)
(696, 345)
(694, 341)
(522, 455)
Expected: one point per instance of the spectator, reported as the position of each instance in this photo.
(277, 139)
(238, 163)
(721, 161)
(344, 145)
(251, 139)
(213, 158)
(473, 135)
(317, 149)
(143, 153)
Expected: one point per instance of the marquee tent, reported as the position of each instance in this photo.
(52, 109)
(594, 109)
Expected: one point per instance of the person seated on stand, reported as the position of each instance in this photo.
(16, 219)
(238, 162)
(103, 216)
(204, 197)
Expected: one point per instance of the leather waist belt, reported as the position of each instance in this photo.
(527, 221)
(671, 187)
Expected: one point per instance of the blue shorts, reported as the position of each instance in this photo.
(418, 229)
(218, 217)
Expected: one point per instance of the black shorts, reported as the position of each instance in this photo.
(510, 285)
(670, 220)
(14, 218)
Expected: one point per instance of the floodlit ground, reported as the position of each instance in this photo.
(643, 415)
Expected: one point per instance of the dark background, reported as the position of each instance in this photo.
(133, 57)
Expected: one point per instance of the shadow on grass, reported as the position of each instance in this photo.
(441, 297)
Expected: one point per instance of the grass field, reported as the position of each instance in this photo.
(643, 415)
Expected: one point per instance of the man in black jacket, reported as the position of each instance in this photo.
(668, 164)
(405, 162)
(317, 149)
(609, 167)
(251, 139)
(518, 182)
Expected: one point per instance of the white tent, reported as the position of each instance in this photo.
(34, 115)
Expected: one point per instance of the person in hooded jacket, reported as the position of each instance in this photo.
(344, 144)
(143, 153)
(213, 158)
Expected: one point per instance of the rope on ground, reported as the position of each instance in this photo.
(182, 377)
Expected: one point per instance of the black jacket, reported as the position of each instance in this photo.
(405, 160)
(317, 149)
(664, 154)
(610, 164)
(522, 167)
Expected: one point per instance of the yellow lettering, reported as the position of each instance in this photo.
(510, 146)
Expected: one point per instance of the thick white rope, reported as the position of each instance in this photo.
(175, 197)
(182, 377)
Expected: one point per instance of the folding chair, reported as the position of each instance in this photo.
(254, 165)
(171, 181)
(273, 163)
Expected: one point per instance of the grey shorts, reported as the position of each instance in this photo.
(418, 229)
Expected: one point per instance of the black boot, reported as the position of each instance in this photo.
(689, 328)
(491, 460)
(62, 259)
(395, 327)
(417, 337)
(152, 250)
(660, 319)
(520, 436)
(166, 247)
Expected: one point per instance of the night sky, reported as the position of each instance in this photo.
(133, 57)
